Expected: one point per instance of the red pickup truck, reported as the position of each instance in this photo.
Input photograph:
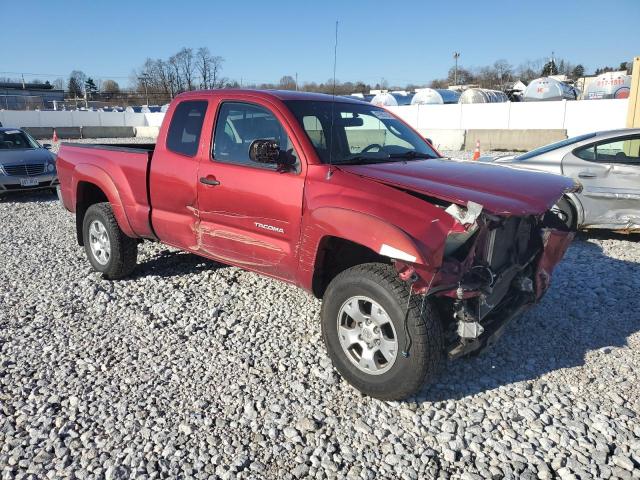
(415, 256)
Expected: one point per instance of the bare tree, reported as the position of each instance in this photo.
(186, 66)
(209, 67)
(217, 81)
(530, 70)
(166, 78)
(76, 81)
(504, 71)
(176, 74)
(464, 76)
(110, 86)
(287, 82)
(203, 64)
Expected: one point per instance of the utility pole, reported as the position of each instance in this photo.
(296, 81)
(456, 56)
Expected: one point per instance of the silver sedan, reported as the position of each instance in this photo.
(24, 163)
(607, 164)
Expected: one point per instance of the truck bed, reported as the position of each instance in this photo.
(120, 147)
(122, 171)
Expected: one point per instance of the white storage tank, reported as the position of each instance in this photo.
(482, 95)
(609, 85)
(402, 97)
(384, 100)
(434, 96)
(548, 89)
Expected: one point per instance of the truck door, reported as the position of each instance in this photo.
(173, 178)
(249, 212)
(610, 174)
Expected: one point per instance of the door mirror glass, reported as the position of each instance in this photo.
(264, 151)
(269, 152)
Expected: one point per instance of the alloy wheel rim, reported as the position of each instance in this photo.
(367, 335)
(99, 242)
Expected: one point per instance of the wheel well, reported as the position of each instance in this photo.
(578, 213)
(336, 255)
(88, 194)
(574, 210)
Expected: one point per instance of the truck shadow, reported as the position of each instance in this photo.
(29, 197)
(607, 235)
(174, 263)
(592, 304)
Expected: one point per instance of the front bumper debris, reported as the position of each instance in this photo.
(504, 269)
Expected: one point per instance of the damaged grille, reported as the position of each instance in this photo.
(510, 243)
(507, 250)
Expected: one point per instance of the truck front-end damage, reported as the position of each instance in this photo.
(493, 268)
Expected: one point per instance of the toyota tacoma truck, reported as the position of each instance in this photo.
(416, 257)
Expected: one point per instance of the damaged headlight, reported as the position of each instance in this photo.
(466, 217)
(457, 239)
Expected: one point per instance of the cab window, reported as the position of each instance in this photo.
(238, 125)
(186, 126)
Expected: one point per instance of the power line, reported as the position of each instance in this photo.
(61, 74)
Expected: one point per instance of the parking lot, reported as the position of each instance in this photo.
(194, 369)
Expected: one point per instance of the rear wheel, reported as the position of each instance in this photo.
(363, 328)
(109, 250)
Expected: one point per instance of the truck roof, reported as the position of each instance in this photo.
(279, 94)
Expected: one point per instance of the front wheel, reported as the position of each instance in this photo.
(363, 327)
(109, 250)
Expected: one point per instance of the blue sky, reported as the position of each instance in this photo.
(263, 40)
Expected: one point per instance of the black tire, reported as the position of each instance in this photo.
(406, 375)
(566, 212)
(123, 249)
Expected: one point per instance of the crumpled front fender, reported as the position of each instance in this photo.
(554, 245)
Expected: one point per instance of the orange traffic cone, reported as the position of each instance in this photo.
(476, 152)
(55, 136)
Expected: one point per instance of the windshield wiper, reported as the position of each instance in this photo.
(361, 160)
(410, 155)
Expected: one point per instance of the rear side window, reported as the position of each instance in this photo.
(619, 150)
(186, 127)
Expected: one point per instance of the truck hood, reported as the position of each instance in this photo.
(499, 189)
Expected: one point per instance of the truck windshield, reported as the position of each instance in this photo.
(353, 133)
(16, 140)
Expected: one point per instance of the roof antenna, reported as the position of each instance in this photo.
(333, 104)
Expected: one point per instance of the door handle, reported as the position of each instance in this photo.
(209, 181)
(587, 175)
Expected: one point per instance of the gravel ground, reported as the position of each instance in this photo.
(190, 369)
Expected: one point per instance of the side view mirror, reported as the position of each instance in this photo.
(264, 151)
(429, 140)
(47, 146)
(268, 151)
